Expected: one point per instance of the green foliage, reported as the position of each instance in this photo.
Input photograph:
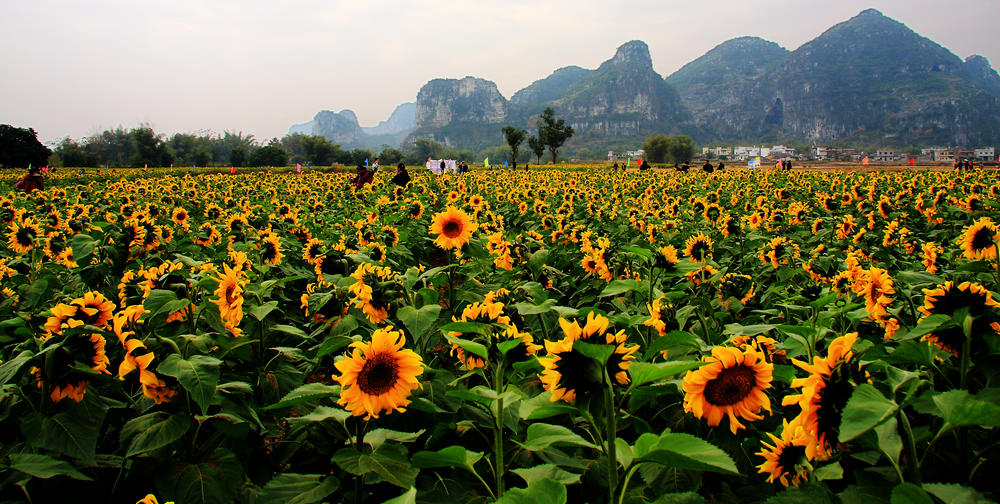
(552, 133)
(514, 138)
(656, 148)
(20, 147)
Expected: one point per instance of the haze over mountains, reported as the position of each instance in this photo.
(869, 81)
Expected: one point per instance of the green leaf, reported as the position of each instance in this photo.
(684, 451)
(83, 247)
(261, 312)
(540, 492)
(377, 437)
(418, 321)
(153, 431)
(750, 330)
(390, 462)
(322, 414)
(955, 494)
(157, 302)
(958, 408)
(73, 432)
(545, 472)
(889, 440)
(533, 309)
(597, 351)
(44, 466)
(643, 373)
(305, 393)
(927, 326)
(453, 456)
(866, 409)
(908, 493)
(290, 330)
(805, 494)
(214, 479)
(832, 471)
(618, 287)
(291, 488)
(477, 349)
(11, 367)
(467, 327)
(198, 375)
(35, 293)
(541, 436)
(409, 497)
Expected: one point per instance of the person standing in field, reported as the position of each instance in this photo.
(402, 176)
(31, 181)
(707, 167)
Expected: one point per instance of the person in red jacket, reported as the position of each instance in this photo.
(31, 181)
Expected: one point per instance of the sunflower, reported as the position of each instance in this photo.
(875, 285)
(779, 251)
(416, 210)
(569, 374)
(783, 461)
(454, 228)
(929, 251)
(270, 247)
(21, 236)
(946, 300)
(312, 250)
(667, 259)
(845, 227)
(230, 298)
(66, 381)
(207, 235)
(735, 285)
(180, 217)
(379, 376)
(376, 251)
(731, 383)
(824, 395)
(390, 236)
(978, 240)
(656, 319)
(699, 248)
(370, 291)
(151, 499)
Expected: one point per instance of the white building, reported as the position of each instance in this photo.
(986, 154)
(885, 155)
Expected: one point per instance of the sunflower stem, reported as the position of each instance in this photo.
(498, 466)
(911, 449)
(359, 445)
(628, 477)
(611, 436)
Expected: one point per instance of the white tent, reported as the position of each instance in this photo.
(434, 165)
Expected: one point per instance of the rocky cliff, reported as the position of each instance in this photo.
(550, 88)
(441, 102)
(868, 80)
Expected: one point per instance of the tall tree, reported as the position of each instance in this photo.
(537, 147)
(656, 148)
(681, 148)
(552, 132)
(514, 138)
(20, 147)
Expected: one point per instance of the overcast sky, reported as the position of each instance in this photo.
(76, 67)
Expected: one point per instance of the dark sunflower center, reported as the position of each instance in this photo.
(25, 236)
(982, 239)
(699, 250)
(82, 316)
(790, 457)
(833, 399)
(270, 251)
(451, 229)
(231, 294)
(378, 375)
(731, 386)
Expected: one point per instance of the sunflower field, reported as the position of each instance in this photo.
(558, 335)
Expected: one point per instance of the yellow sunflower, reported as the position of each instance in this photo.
(230, 298)
(949, 298)
(379, 376)
(699, 248)
(569, 374)
(978, 240)
(783, 461)
(454, 228)
(730, 384)
(270, 248)
(824, 395)
(21, 236)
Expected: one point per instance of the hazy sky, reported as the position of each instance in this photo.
(76, 67)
